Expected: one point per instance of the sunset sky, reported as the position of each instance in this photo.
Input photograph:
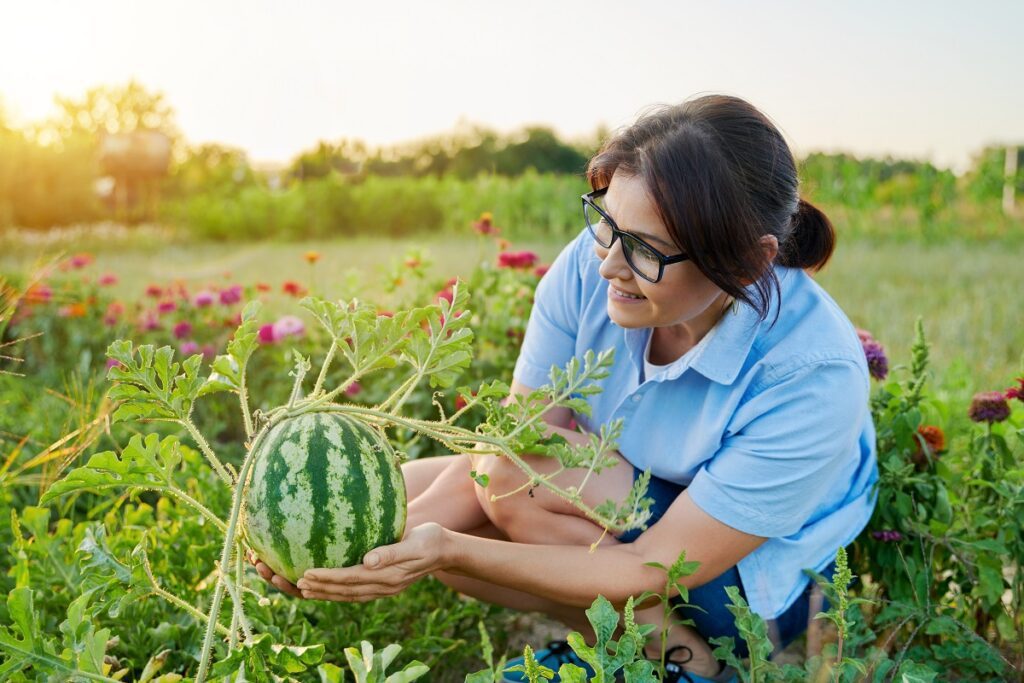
(927, 80)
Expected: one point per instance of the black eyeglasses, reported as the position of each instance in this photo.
(645, 260)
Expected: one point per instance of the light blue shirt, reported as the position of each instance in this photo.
(768, 426)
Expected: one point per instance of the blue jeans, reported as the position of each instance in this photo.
(716, 619)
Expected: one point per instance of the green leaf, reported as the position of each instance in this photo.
(146, 462)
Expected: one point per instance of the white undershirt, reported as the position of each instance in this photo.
(650, 369)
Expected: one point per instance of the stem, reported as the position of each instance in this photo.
(237, 613)
(199, 507)
(229, 542)
(243, 400)
(174, 599)
(207, 451)
(327, 363)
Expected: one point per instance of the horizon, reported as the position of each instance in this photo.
(919, 81)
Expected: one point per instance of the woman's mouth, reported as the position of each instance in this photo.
(620, 295)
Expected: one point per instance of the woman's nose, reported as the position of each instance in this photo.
(613, 263)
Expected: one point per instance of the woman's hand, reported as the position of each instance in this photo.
(385, 571)
(276, 580)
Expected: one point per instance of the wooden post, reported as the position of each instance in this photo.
(1009, 180)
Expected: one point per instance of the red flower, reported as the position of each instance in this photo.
(166, 307)
(154, 291)
(292, 288)
(540, 271)
(77, 261)
(517, 259)
(262, 287)
(1016, 392)
(38, 293)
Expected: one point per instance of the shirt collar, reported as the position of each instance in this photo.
(723, 358)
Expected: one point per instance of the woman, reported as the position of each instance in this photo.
(743, 388)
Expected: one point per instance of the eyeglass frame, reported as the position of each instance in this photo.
(663, 260)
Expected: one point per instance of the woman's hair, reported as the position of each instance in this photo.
(722, 177)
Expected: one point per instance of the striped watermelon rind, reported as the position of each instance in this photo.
(325, 490)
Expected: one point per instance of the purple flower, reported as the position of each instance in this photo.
(204, 298)
(190, 347)
(182, 329)
(113, 362)
(887, 536)
(288, 326)
(989, 406)
(878, 364)
(231, 295)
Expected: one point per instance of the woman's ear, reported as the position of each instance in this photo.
(769, 250)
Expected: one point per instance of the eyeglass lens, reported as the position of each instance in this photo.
(638, 255)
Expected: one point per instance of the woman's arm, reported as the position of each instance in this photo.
(570, 575)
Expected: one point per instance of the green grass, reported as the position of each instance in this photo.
(968, 294)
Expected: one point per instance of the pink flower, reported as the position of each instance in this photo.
(231, 295)
(166, 307)
(182, 329)
(114, 311)
(154, 291)
(150, 323)
(517, 259)
(209, 351)
(77, 261)
(540, 271)
(266, 334)
(113, 362)
(203, 299)
(288, 326)
(485, 226)
(189, 348)
(108, 279)
(353, 389)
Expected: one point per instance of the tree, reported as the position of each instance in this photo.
(114, 109)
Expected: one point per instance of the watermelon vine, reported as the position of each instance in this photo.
(434, 341)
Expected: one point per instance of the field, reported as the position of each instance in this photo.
(940, 559)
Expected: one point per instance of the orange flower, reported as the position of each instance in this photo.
(935, 441)
(312, 256)
(73, 311)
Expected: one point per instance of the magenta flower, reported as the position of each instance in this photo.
(204, 298)
(182, 329)
(209, 351)
(113, 362)
(108, 279)
(231, 295)
(166, 307)
(189, 348)
(989, 406)
(266, 334)
(353, 389)
(878, 364)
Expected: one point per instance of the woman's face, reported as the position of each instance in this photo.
(684, 298)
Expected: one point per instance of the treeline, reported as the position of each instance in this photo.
(530, 179)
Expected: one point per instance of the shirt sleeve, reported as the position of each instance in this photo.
(551, 331)
(787, 450)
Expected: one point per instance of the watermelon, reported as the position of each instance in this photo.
(325, 489)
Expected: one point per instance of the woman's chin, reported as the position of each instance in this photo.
(626, 319)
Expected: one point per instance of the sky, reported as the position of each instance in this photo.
(934, 80)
